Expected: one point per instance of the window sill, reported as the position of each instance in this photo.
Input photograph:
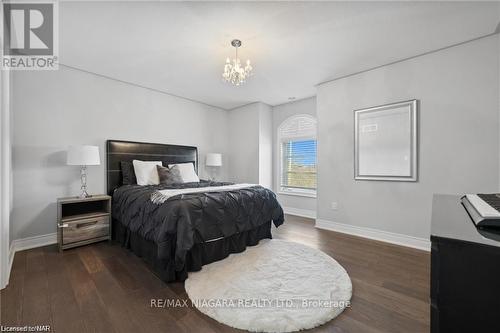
(298, 194)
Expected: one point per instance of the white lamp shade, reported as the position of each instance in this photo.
(83, 155)
(213, 159)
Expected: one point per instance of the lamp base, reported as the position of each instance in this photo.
(212, 174)
(84, 195)
(83, 181)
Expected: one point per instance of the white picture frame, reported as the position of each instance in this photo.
(386, 142)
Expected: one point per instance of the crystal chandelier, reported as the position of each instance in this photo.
(234, 72)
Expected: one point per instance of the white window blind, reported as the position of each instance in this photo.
(298, 149)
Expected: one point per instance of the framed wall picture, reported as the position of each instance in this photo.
(386, 142)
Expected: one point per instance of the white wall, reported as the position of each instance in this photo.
(280, 114)
(250, 144)
(266, 145)
(55, 109)
(458, 90)
(243, 150)
(5, 176)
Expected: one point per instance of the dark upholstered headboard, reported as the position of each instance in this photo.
(117, 151)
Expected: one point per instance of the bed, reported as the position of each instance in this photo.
(182, 233)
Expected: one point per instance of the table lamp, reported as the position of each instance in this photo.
(214, 161)
(83, 156)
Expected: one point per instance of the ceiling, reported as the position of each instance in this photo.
(180, 47)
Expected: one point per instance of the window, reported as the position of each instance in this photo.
(297, 146)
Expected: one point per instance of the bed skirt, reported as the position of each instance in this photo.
(201, 254)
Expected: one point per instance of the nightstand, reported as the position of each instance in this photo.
(83, 221)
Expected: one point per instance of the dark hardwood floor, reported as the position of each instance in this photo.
(104, 288)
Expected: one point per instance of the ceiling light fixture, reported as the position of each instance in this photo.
(234, 72)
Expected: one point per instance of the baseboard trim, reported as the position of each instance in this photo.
(311, 214)
(26, 244)
(380, 235)
(12, 252)
(6, 276)
(32, 242)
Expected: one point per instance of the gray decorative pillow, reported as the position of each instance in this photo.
(128, 173)
(169, 176)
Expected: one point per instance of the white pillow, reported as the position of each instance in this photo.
(146, 173)
(187, 172)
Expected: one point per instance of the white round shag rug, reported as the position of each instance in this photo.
(275, 286)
